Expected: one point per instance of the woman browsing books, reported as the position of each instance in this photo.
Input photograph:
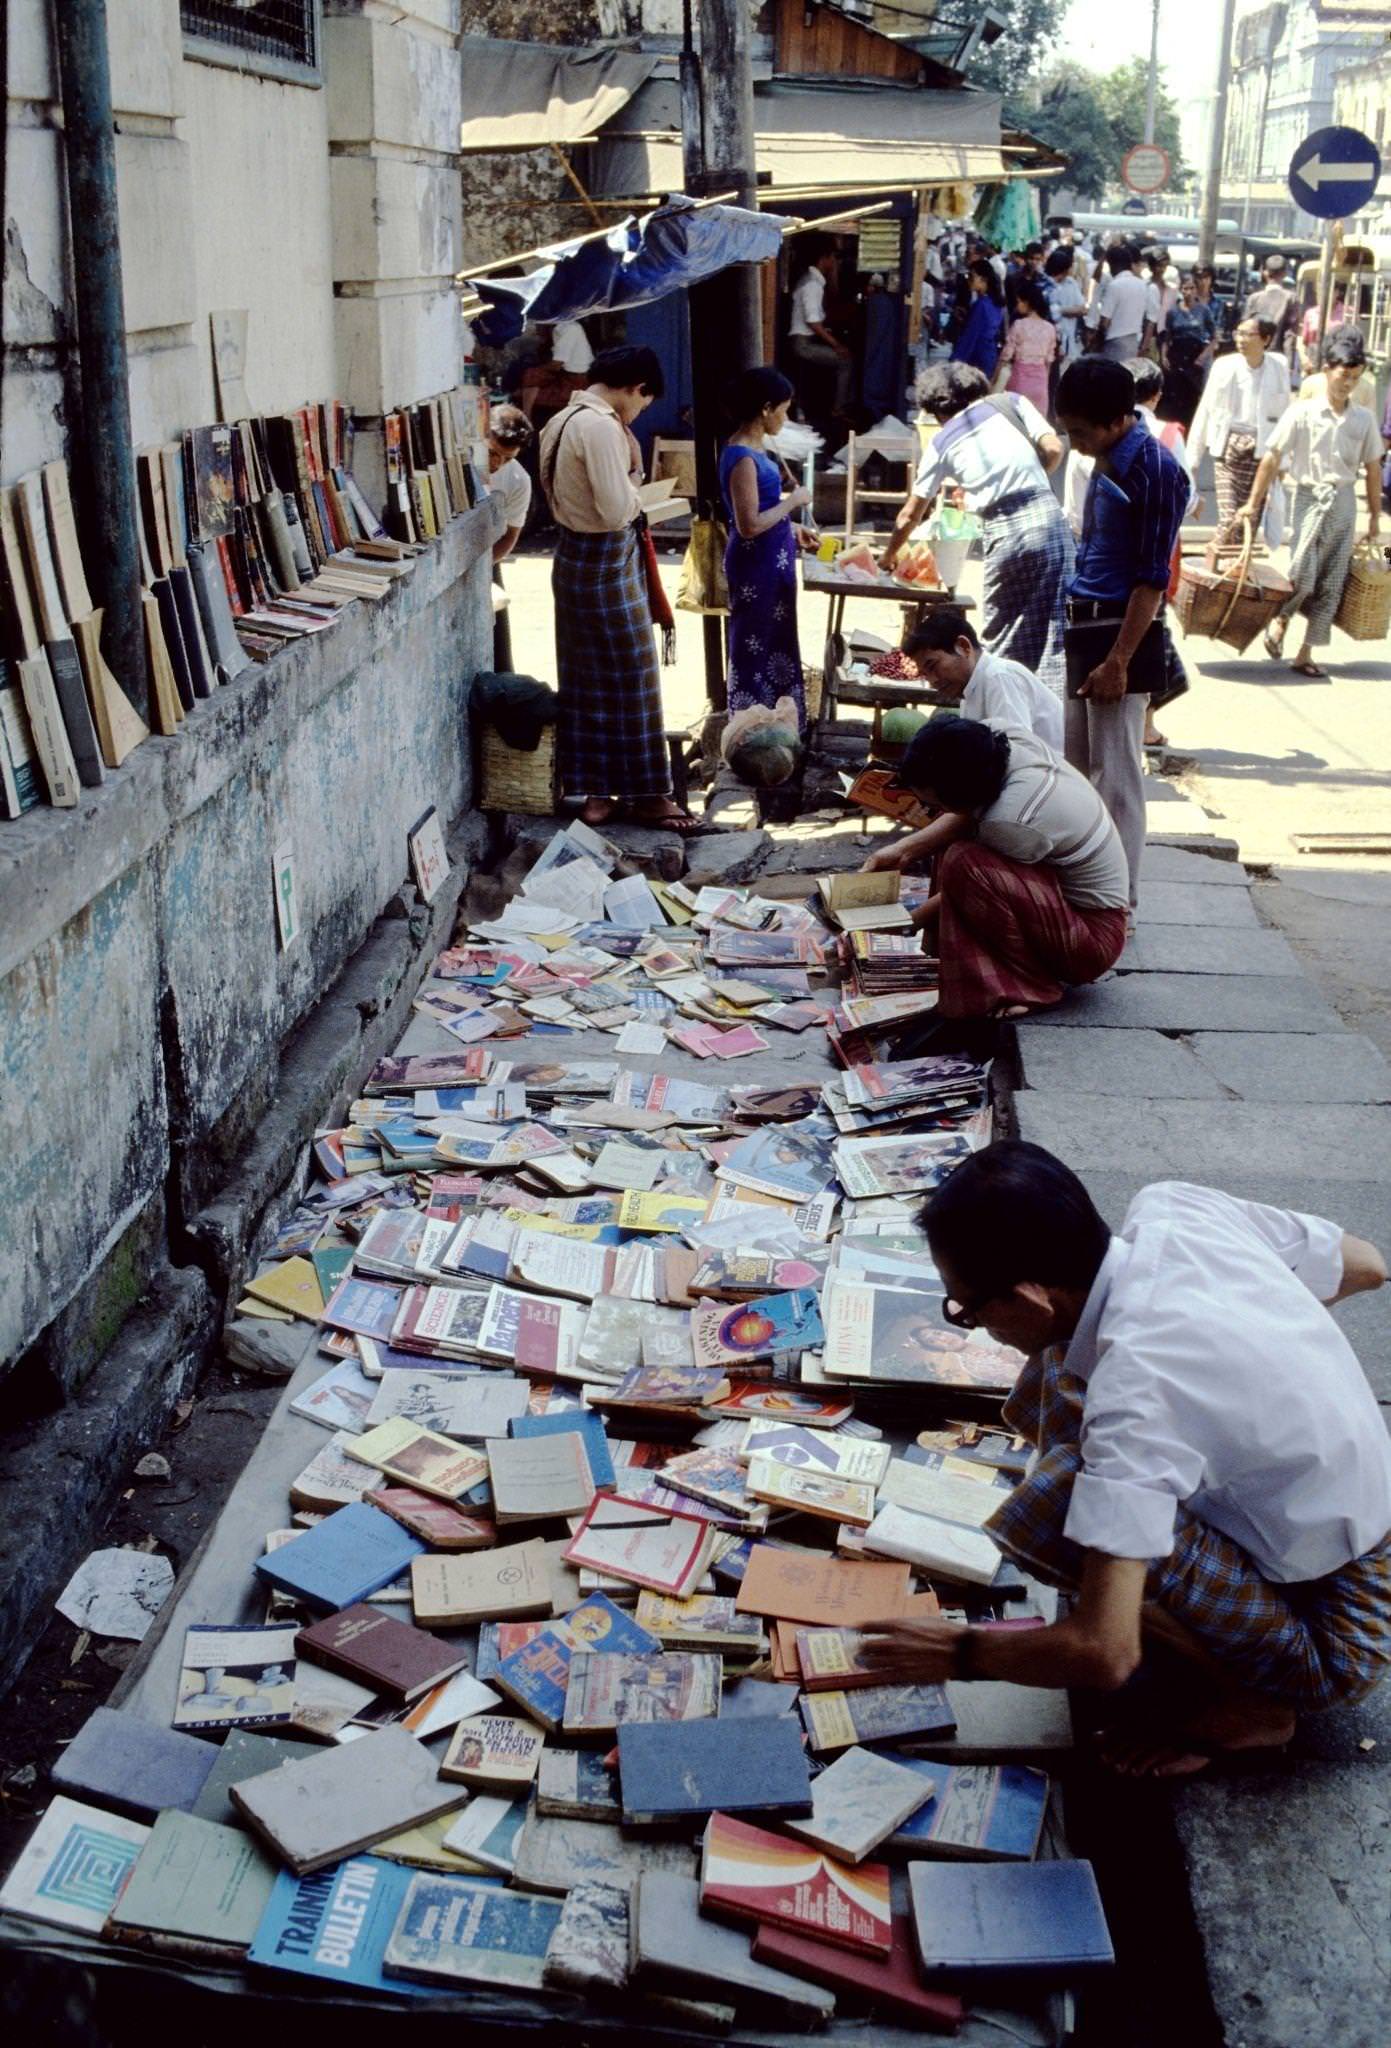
(1032, 887)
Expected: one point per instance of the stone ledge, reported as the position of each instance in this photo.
(53, 863)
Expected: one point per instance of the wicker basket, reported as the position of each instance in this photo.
(1232, 604)
(511, 779)
(1364, 609)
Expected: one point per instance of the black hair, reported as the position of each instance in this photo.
(1346, 348)
(1149, 378)
(945, 389)
(747, 394)
(509, 426)
(817, 246)
(938, 632)
(1013, 1212)
(1032, 249)
(1095, 389)
(623, 368)
(1120, 256)
(1060, 260)
(981, 266)
(963, 762)
(1265, 328)
(1029, 292)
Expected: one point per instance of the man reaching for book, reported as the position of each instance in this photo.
(1212, 1474)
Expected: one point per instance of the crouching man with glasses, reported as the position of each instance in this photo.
(1211, 1473)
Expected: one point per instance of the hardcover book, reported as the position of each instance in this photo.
(243, 1755)
(756, 1875)
(373, 1649)
(607, 1690)
(196, 1889)
(342, 1560)
(334, 1924)
(458, 1930)
(556, 1855)
(1028, 1923)
(236, 1678)
(886, 1984)
(878, 1713)
(494, 1753)
(341, 1800)
(994, 1812)
(71, 1869)
(675, 1948)
(857, 1803)
(132, 1766)
(675, 1771)
(508, 1583)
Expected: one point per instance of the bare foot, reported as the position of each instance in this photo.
(1240, 1723)
(596, 811)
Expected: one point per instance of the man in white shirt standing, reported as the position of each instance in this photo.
(809, 339)
(1212, 1472)
(1122, 306)
(949, 655)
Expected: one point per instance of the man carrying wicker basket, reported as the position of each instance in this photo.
(1323, 443)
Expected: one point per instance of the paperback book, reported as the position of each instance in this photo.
(756, 1875)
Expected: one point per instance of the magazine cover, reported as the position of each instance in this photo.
(890, 1334)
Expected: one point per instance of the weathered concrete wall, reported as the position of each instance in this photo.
(143, 996)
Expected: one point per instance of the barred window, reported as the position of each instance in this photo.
(279, 38)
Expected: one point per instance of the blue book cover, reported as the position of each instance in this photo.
(982, 1810)
(537, 1675)
(1040, 1922)
(586, 1425)
(455, 1929)
(336, 1923)
(342, 1559)
(683, 1769)
(132, 1766)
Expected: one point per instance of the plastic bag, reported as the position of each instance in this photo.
(702, 586)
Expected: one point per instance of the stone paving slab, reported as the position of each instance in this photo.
(1190, 902)
(1168, 1140)
(1194, 1002)
(1207, 949)
(1129, 1063)
(1187, 864)
(1269, 1066)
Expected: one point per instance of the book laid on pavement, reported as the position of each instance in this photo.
(990, 1812)
(886, 1984)
(815, 1450)
(676, 1771)
(495, 1753)
(487, 1832)
(373, 1648)
(420, 1458)
(999, 1722)
(607, 1690)
(809, 1586)
(648, 1546)
(120, 1761)
(511, 1582)
(537, 1674)
(756, 1875)
(589, 1949)
(556, 1855)
(534, 1479)
(877, 1713)
(453, 1404)
(236, 1677)
(946, 1549)
(439, 1524)
(335, 1924)
(857, 1803)
(245, 1754)
(834, 1660)
(823, 1494)
(331, 1479)
(675, 1947)
(341, 1560)
(1028, 1923)
(340, 1800)
(703, 1621)
(71, 1869)
(196, 1889)
(575, 1784)
(460, 1930)
(588, 1427)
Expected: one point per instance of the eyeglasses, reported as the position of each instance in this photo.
(960, 1316)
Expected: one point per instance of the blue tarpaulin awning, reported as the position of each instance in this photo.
(639, 259)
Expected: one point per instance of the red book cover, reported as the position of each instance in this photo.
(435, 1522)
(376, 1650)
(538, 1337)
(889, 1984)
(758, 1875)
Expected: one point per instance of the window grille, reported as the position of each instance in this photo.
(280, 37)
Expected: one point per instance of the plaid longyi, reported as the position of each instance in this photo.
(610, 729)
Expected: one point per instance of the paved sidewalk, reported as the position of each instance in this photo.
(1209, 1056)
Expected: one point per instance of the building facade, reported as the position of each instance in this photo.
(1362, 99)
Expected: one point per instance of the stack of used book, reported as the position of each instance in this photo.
(556, 1670)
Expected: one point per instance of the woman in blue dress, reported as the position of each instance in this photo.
(763, 658)
(983, 336)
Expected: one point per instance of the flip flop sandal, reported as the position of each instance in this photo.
(1307, 668)
(1273, 647)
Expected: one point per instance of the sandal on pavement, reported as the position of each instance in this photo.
(1308, 667)
(674, 820)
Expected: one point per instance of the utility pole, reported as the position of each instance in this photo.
(726, 311)
(1152, 82)
(1212, 184)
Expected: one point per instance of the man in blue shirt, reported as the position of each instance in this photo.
(1135, 506)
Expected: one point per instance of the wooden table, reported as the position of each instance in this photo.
(822, 577)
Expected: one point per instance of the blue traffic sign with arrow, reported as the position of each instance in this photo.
(1334, 172)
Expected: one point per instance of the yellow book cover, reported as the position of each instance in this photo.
(293, 1285)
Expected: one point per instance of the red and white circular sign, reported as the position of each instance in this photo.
(1146, 168)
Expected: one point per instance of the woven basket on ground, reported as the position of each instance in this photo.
(1234, 603)
(1364, 610)
(511, 779)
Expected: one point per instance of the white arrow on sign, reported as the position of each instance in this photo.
(1316, 172)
